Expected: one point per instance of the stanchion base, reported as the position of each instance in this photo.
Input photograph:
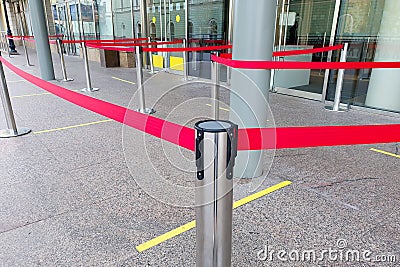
(188, 79)
(146, 111)
(30, 65)
(330, 108)
(7, 133)
(90, 89)
(67, 80)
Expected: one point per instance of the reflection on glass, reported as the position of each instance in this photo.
(303, 25)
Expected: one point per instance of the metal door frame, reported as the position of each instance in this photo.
(314, 96)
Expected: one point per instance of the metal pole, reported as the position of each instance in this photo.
(281, 25)
(28, 63)
(133, 19)
(322, 53)
(216, 149)
(151, 57)
(12, 130)
(230, 34)
(165, 20)
(145, 27)
(139, 81)
(286, 24)
(62, 60)
(331, 42)
(215, 89)
(339, 81)
(80, 24)
(89, 87)
(185, 57)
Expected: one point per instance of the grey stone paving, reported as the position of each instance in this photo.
(68, 198)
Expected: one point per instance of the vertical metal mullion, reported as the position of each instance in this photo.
(331, 42)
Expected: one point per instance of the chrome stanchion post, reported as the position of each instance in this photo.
(12, 130)
(215, 73)
(185, 60)
(151, 58)
(216, 149)
(139, 80)
(89, 87)
(62, 60)
(228, 75)
(28, 63)
(339, 82)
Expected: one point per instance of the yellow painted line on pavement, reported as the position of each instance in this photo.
(122, 80)
(385, 153)
(21, 96)
(71, 127)
(186, 227)
(29, 95)
(17, 81)
(225, 109)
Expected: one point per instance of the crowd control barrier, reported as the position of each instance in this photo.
(185, 61)
(89, 87)
(60, 50)
(12, 130)
(339, 82)
(139, 79)
(215, 158)
(151, 58)
(215, 77)
(217, 142)
(28, 63)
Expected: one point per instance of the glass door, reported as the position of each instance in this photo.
(303, 24)
(167, 22)
(82, 12)
(167, 19)
(359, 25)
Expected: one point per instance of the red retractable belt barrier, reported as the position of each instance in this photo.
(108, 42)
(306, 51)
(295, 52)
(316, 136)
(249, 139)
(245, 64)
(135, 44)
(188, 49)
(168, 131)
(117, 40)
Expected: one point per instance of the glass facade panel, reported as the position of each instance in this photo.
(166, 19)
(105, 20)
(122, 14)
(303, 24)
(207, 19)
(360, 24)
(87, 10)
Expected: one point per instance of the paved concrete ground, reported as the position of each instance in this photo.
(83, 196)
